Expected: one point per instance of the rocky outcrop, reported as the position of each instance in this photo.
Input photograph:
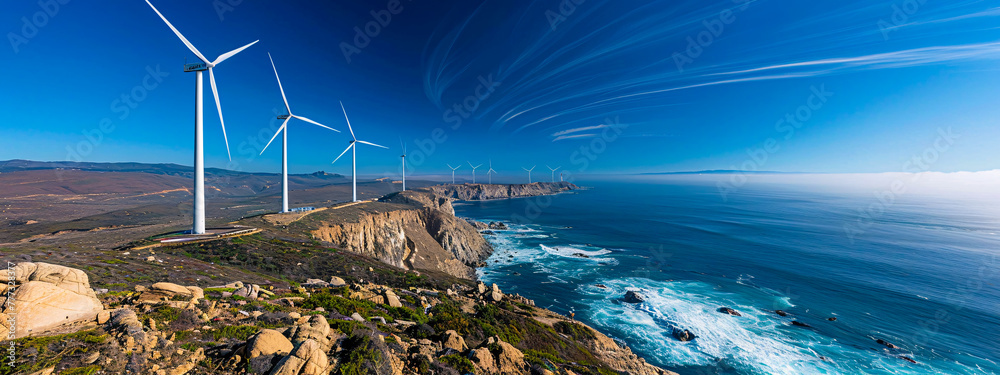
(45, 296)
(410, 230)
(496, 357)
(479, 192)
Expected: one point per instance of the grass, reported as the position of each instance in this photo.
(89, 370)
(240, 333)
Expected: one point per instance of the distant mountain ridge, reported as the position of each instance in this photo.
(164, 169)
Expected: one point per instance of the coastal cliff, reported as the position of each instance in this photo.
(410, 230)
(480, 192)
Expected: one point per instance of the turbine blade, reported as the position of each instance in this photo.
(342, 153)
(289, 109)
(314, 122)
(215, 91)
(179, 35)
(275, 136)
(372, 144)
(348, 121)
(229, 54)
(449, 166)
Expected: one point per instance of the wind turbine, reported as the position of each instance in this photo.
(474, 170)
(529, 172)
(453, 169)
(283, 130)
(553, 172)
(404, 162)
(354, 154)
(491, 172)
(199, 155)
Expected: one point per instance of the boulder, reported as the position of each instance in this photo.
(45, 297)
(392, 299)
(634, 297)
(337, 282)
(308, 358)
(494, 294)
(509, 360)
(726, 310)
(267, 342)
(886, 343)
(483, 361)
(683, 335)
(451, 339)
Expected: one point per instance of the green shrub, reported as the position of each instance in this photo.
(241, 332)
(460, 363)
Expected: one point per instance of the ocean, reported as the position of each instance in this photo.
(917, 267)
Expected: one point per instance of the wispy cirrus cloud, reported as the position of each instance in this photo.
(556, 81)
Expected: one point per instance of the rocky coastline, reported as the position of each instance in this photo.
(398, 296)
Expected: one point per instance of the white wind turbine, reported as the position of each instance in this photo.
(199, 155)
(474, 167)
(529, 172)
(553, 172)
(354, 154)
(453, 169)
(491, 172)
(283, 130)
(404, 162)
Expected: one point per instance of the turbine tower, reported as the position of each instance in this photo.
(453, 169)
(354, 155)
(283, 130)
(199, 155)
(404, 162)
(491, 172)
(529, 172)
(474, 167)
(554, 172)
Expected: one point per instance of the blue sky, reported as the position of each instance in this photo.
(596, 87)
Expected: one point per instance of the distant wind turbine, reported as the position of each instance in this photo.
(403, 145)
(554, 172)
(491, 172)
(453, 169)
(474, 170)
(199, 154)
(283, 130)
(354, 155)
(529, 172)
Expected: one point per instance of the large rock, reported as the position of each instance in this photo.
(392, 299)
(45, 297)
(267, 342)
(308, 358)
(634, 297)
(509, 359)
(451, 339)
(337, 282)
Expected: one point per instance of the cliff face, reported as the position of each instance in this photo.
(410, 230)
(478, 192)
